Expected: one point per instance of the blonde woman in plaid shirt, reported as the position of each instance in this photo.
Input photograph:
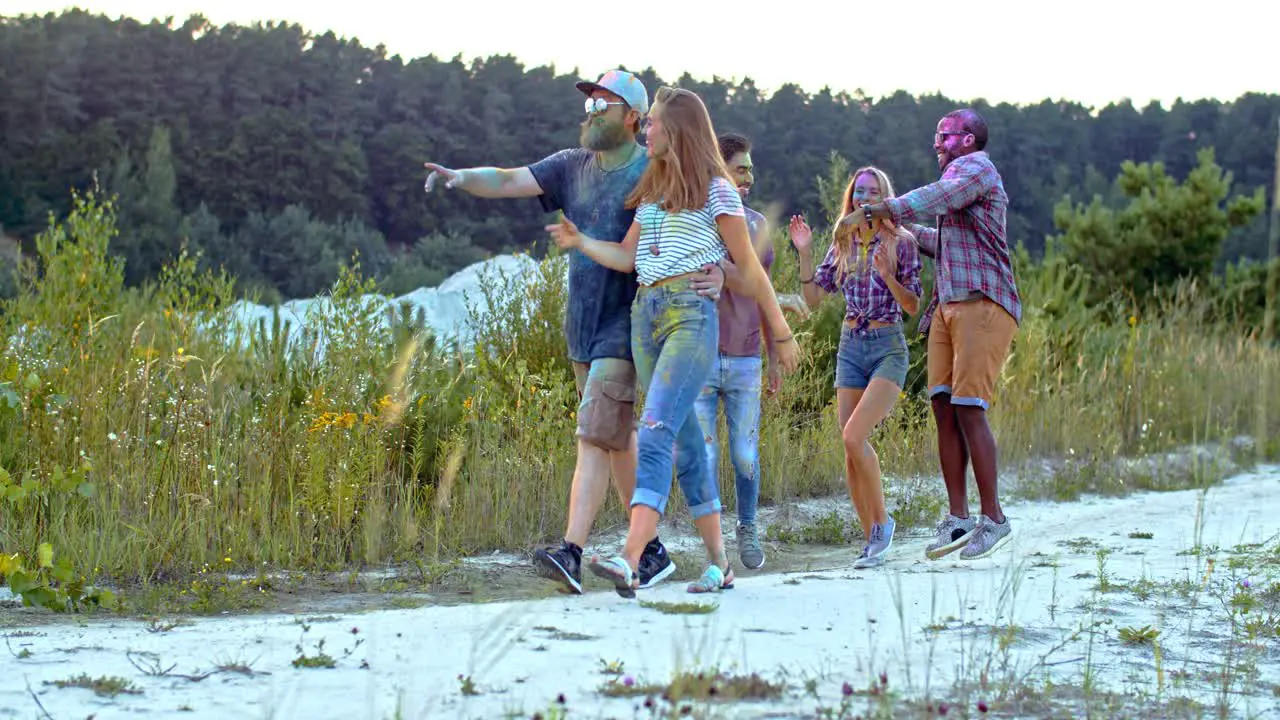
(971, 320)
(879, 275)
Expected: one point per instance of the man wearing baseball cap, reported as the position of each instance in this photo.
(590, 185)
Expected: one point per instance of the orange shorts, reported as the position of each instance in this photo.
(968, 344)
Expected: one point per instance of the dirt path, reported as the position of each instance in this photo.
(1050, 607)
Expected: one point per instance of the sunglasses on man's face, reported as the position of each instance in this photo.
(598, 105)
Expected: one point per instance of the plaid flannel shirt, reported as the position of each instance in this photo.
(867, 296)
(970, 203)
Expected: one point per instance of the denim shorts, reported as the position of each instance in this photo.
(871, 353)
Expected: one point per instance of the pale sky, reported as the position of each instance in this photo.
(1023, 52)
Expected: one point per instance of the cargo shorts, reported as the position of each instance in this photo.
(607, 402)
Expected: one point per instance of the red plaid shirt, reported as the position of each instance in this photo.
(866, 295)
(970, 203)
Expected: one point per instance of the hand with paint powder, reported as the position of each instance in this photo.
(800, 233)
(615, 256)
(565, 233)
(710, 282)
(452, 178)
(795, 305)
(886, 264)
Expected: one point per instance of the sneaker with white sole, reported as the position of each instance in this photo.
(953, 533)
(561, 563)
(655, 565)
(749, 550)
(877, 545)
(987, 538)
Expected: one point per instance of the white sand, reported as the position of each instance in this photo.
(831, 626)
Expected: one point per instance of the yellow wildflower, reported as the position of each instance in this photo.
(323, 421)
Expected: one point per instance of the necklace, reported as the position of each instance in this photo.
(860, 274)
(653, 244)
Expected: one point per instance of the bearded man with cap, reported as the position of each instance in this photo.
(590, 185)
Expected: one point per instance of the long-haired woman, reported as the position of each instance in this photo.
(879, 275)
(688, 214)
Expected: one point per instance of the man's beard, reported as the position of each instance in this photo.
(602, 137)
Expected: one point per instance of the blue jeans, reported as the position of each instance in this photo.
(735, 381)
(674, 340)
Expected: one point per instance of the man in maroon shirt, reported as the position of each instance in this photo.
(735, 377)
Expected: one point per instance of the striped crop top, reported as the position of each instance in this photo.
(673, 244)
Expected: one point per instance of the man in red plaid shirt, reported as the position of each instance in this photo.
(971, 319)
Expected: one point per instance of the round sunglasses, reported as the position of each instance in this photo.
(598, 105)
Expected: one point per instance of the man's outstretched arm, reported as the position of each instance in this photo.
(964, 180)
(486, 182)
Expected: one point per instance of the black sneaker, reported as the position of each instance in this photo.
(562, 564)
(655, 564)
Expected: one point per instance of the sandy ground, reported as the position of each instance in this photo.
(925, 624)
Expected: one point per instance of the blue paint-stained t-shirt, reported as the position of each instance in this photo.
(598, 317)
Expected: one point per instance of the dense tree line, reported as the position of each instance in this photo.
(278, 152)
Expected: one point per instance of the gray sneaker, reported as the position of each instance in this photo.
(749, 550)
(986, 539)
(953, 533)
(877, 545)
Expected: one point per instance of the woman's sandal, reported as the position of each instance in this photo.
(713, 580)
(617, 571)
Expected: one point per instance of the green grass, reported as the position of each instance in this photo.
(151, 444)
(104, 686)
(711, 685)
(680, 608)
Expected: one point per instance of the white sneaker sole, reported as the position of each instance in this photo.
(950, 547)
(989, 551)
(870, 562)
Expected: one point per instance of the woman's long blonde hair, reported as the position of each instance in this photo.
(843, 236)
(680, 178)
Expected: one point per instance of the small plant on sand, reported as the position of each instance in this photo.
(105, 686)
(1145, 635)
(680, 608)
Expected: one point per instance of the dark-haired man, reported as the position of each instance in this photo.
(736, 376)
(971, 321)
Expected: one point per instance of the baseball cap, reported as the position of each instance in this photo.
(624, 85)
